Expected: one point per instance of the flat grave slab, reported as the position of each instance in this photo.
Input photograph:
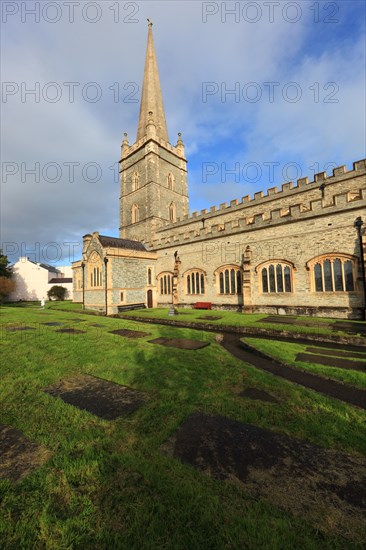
(129, 333)
(100, 397)
(331, 361)
(53, 324)
(286, 320)
(18, 455)
(344, 326)
(180, 343)
(260, 395)
(16, 328)
(78, 320)
(352, 328)
(96, 325)
(337, 353)
(209, 318)
(318, 484)
(70, 331)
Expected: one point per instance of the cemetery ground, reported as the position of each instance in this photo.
(111, 440)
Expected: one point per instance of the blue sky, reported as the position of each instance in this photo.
(313, 53)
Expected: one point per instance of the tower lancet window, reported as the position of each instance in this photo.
(135, 181)
(172, 212)
(135, 213)
(170, 181)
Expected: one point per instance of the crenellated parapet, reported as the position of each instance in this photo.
(127, 150)
(216, 221)
(288, 190)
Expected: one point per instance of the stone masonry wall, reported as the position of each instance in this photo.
(319, 232)
(152, 163)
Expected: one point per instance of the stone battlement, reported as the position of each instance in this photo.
(292, 213)
(130, 149)
(303, 184)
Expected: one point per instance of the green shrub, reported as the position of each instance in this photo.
(57, 293)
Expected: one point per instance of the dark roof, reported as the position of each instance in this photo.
(121, 243)
(50, 268)
(60, 280)
(45, 266)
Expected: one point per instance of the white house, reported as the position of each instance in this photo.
(33, 280)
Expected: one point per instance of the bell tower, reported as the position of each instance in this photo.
(153, 173)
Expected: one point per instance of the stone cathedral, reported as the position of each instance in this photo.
(295, 250)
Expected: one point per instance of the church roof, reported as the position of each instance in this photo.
(50, 268)
(151, 97)
(114, 242)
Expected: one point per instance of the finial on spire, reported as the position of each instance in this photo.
(150, 119)
(180, 145)
(150, 24)
(150, 126)
(125, 145)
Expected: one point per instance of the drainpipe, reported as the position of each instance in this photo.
(106, 285)
(358, 225)
(83, 283)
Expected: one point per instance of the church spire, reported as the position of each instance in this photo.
(151, 97)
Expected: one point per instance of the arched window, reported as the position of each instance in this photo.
(172, 212)
(95, 269)
(96, 277)
(275, 277)
(264, 280)
(149, 276)
(135, 181)
(318, 275)
(78, 282)
(333, 273)
(135, 213)
(170, 181)
(165, 283)
(229, 280)
(195, 281)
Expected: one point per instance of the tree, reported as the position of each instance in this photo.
(5, 269)
(57, 292)
(7, 286)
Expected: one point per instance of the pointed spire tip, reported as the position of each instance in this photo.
(151, 96)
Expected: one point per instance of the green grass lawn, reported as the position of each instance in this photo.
(286, 352)
(107, 485)
(233, 318)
